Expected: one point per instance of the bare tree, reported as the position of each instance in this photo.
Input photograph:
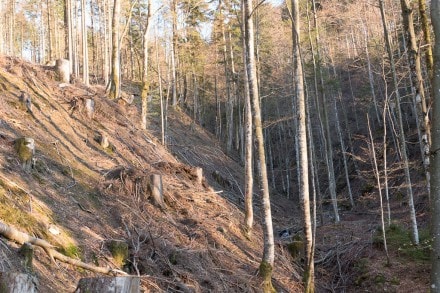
(402, 141)
(435, 166)
(303, 167)
(145, 81)
(249, 174)
(113, 87)
(267, 262)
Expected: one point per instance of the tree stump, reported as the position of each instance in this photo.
(129, 284)
(62, 67)
(90, 108)
(27, 252)
(25, 100)
(199, 175)
(25, 148)
(103, 141)
(156, 189)
(17, 283)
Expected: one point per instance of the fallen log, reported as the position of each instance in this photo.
(21, 238)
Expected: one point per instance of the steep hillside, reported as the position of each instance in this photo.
(80, 196)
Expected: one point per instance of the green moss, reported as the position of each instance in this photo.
(23, 152)
(399, 239)
(173, 258)
(265, 272)
(380, 279)
(119, 251)
(367, 188)
(71, 250)
(395, 281)
(295, 248)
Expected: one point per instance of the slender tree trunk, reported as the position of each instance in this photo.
(435, 166)
(113, 87)
(417, 77)
(267, 262)
(427, 35)
(159, 78)
(323, 113)
(303, 167)
(84, 44)
(379, 186)
(370, 75)
(174, 53)
(402, 144)
(249, 175)
(145, 81)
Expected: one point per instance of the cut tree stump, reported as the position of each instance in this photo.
(25, 148)
(27, 252)
(62, 67)
(156, 189)
(130, 284)
(12, 282)
(199, 175)
(90, 107)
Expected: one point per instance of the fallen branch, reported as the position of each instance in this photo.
(21, 238)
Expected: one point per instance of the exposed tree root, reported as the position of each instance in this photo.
(21, 238)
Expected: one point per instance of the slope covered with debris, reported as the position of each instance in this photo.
(82, 195)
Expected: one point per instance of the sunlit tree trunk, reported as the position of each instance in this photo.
(267, 262)
(249, 174)
(84, 44)
(145, 81)
(113, 89)
(303, 167)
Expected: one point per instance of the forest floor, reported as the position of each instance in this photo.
(80, 196)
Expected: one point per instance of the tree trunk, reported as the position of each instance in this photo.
(11, 282)
(303, 167)
(417, 77)
(323, 116)
(435, 166)
(85, 65)
(129, 284)
(156, 189)
(402, 144)
(267, 262)
(113, 87)
(379, 186)
(427, 35)
(249, 174)
(145, 81)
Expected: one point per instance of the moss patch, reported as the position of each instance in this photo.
(399, 238)
(119, 251)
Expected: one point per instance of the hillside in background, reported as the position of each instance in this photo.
(80, 196)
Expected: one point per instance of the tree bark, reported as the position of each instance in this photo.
(267, 262)
(145, 81)
(402, 140)
(303, 167)
(249, 174)
(435, 166)
(419, 90)
(85, 65)
(113, 87)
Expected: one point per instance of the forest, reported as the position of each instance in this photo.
(327, 105)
